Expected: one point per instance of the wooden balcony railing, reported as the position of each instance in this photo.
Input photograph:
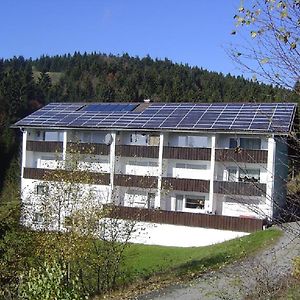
(44, 146)
(187, 219)
(74, 176)
(135, 181)
(187, 153)
(137, 151)
(240, 188)
(183, 184)
(242, 155)
(88, 148)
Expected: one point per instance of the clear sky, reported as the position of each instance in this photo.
(190, 31)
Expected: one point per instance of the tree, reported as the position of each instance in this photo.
(271, 51)
(78, 229)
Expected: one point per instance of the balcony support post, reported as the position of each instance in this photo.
(160, 170)
(209, 205)
(112, 163)
(24, 142)
(270, 177)
(65, 141)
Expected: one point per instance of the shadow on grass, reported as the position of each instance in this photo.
(203, 264)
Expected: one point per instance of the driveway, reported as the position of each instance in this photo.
(239, 279)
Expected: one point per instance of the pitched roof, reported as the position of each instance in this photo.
(236, 117)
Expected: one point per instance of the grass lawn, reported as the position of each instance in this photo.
(143, 262)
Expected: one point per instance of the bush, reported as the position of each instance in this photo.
(49, 283)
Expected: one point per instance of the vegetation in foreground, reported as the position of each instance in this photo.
(151, 267)
(22, 265)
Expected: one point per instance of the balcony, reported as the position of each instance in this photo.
(183, 184)
(137, 151)
(187, 153)
(240, 188)
(74, 176)
(88, 148)
(44, 146)
(135, 181)
(242, 155)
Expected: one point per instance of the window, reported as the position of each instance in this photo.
(197, 141)
(151, 200)
(249, 175)
(250, 143)
(233, 143)
(191, 141)
(243, 175)
(138, 139)
(195, 202)
(42, 190)
(232, 174)
(68, 222)
(153, 140)
(37, 218)
(55, 136)
(98, 137)
(86, 137)
(245, 143)
(189, 202)
(179, 203)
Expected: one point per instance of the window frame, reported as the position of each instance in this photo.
(183, 198)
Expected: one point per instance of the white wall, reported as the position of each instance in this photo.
(97, 194)
(46, 160)
(137, 166)
(193, 169)
(94, 163)
(241, 206)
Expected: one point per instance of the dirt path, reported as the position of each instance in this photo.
(236, 280)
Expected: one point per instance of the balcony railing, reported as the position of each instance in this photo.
(44, 146)
(88, 148)
(74, 176)
(242, 155)
(187, 153)
(187, 219)
(240, 188)
(135, 181)
(137, 151)
(183, 184)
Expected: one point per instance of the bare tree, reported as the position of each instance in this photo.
(270, 48)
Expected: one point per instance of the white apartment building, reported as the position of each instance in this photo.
(228, 159)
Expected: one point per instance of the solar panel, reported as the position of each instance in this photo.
(108, 107)
(261, 117)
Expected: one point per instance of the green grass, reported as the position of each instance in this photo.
(142, 261)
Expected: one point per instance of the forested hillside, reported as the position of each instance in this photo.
(26, 85)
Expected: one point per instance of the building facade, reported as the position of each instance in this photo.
(216, 159)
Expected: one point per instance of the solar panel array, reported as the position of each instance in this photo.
(261, 117)
(109, 107)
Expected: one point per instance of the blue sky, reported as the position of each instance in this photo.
(191, 31)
